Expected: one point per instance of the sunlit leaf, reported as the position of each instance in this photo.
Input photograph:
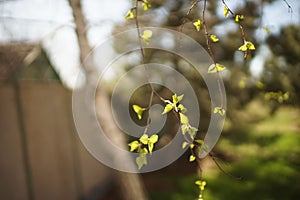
(192, 146)
(147, 34)
(143, 151)
(216, 68)
(184, 129)
(192, 158)
(141, 160)
(219, 110)
(183, 119)
(129, 15)
(134, 145)
(201, 184)
(226, 11)
(184, 145)
(182, 108)
(146, 5)
(138, 110)
(239, 18)
(192, 132)
(214, 38)
(247, 46)
(153, 139)
(199, 141)
(168, 108)
(197, 25)
(144, 139)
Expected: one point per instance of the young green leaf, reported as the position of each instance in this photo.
(216, 68)
(182, 108)
(192, 132)
(151, 141)
(147, 34)
(138, 110)
(192, 158)
(184, 128)
(192, 146)
(176, 98)
(183, 119)
(201, 184)
(214, 38)
(226, 11)
(134, 145)
(129, 14)
(146, 5)
(239, 18)
(199, 141)
(144, 139)
(167, 109)
(219, 110)
(141, 160)
(184, 145)
(198, 24)
(247, 46)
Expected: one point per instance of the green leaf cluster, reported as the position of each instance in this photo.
(279, 96)
(247, 46)
(143, 146)
(174, 105)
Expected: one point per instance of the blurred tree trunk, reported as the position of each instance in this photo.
(131, 184)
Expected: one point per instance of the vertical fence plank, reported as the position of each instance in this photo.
(12, 170)
(49, 142)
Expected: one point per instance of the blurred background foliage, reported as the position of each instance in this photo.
(259, 147)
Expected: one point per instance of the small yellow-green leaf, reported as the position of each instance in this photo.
(183, 119)
(143, 151)
(144, 139)
(247, 46)
(198, 182)
(192, 132)
(146, 5)
(134, 145)
(219, 110)
(201, 184)
(226, 11)
(138, 110)
(153, 139)
(184, 145)
(184, 129)
(216, 68)
(192, 158)
(197, 24)
(239, 18)
(192, 146)
(129, 15)
(181, 108)
(214, 38)
(141, 160)
(147, 34)
(168, 108)
(199, 141)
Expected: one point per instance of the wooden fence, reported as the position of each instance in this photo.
(41, 157)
